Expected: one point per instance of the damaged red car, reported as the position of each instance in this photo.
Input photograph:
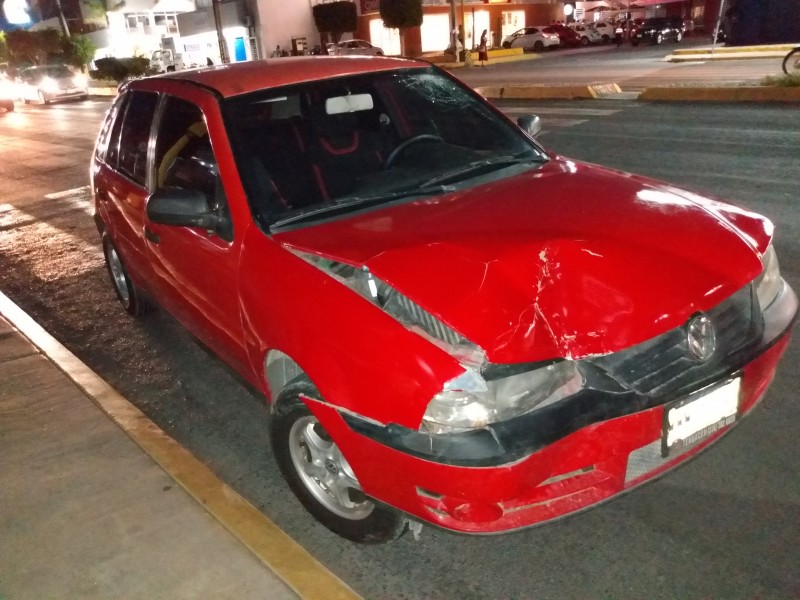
(451, 324)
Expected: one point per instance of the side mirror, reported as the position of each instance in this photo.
(530, 124)
(184, 208)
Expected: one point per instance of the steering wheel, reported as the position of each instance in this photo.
(405, 144)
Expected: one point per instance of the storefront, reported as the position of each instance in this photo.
(498, 18)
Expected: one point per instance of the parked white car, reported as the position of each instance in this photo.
(50, 83)
(588, 33)
(605, 29)
(362, 47)
(531, 38)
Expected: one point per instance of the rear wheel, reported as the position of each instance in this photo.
(679, 37)
(659, 38)
(320, 476)
(127, 293)
(791, 63)
(538, 45)
(43, 98)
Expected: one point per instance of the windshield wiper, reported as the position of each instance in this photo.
(476, 167)
(346, 204)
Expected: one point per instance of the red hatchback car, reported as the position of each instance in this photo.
(451, 324)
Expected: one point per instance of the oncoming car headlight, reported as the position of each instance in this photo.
(768, 283)
(470, 401)
(49, 85)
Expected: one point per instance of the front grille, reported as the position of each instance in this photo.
(663, 364)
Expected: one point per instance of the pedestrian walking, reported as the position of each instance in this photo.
(618, 34)
(483, 53)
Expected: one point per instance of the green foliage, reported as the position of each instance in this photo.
(401, 14)
(3, 47)
(120, 69)
(335, 18)
(792, 80)
(78, 50)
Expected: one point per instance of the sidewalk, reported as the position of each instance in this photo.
(86, 513)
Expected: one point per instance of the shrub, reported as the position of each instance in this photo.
(120, 69)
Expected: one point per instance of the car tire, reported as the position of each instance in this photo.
(319, 475)
(678, 37)
(42, 98)
(538, 45)
(659, 39)
(584, 41)
(127, 293)
(506, 45)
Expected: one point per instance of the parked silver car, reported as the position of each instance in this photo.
(361, 47)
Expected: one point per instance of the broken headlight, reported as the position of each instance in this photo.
(403, 309)
(470, 401)
(768, 283)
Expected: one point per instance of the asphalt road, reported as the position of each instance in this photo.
(632, 68)
(724, 526)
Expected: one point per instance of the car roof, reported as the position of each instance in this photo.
(241, 78)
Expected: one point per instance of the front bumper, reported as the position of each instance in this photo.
(504, 481)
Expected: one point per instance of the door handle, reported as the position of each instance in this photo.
(151, 236)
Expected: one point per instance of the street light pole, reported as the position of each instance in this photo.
(223, 50)
(719, 21)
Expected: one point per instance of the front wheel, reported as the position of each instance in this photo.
(43, 98)
(678, 37)
(127, 293)
(538, 45)
(791, 63)
(320, 476)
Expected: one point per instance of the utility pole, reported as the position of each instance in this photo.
(62, 19)
(719, 21)
(453, 29)
(223, 49)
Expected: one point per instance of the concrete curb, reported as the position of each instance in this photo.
(288, 560)
(722, 94)
(548, 92)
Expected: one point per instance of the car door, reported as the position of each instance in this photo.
(120, 179)
(195, 270)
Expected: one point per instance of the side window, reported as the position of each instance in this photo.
(185, 159)
(135, 134)
(105, 137)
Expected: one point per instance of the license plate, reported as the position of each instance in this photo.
(692, 419)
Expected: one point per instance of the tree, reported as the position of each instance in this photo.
(32, 47)
(78, 50)
(401, 14)
(335, 18)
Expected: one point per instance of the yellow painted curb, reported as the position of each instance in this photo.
(280, 553)
(723, 94)
(737, 50)
(548, 92)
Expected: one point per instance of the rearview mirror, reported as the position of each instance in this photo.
(346, 104)
(530, 124)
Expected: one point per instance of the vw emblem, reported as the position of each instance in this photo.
(700, 338)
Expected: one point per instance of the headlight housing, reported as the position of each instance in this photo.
(470, 401)
(769, 283)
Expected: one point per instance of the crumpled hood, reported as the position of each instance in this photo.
(567, 260)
